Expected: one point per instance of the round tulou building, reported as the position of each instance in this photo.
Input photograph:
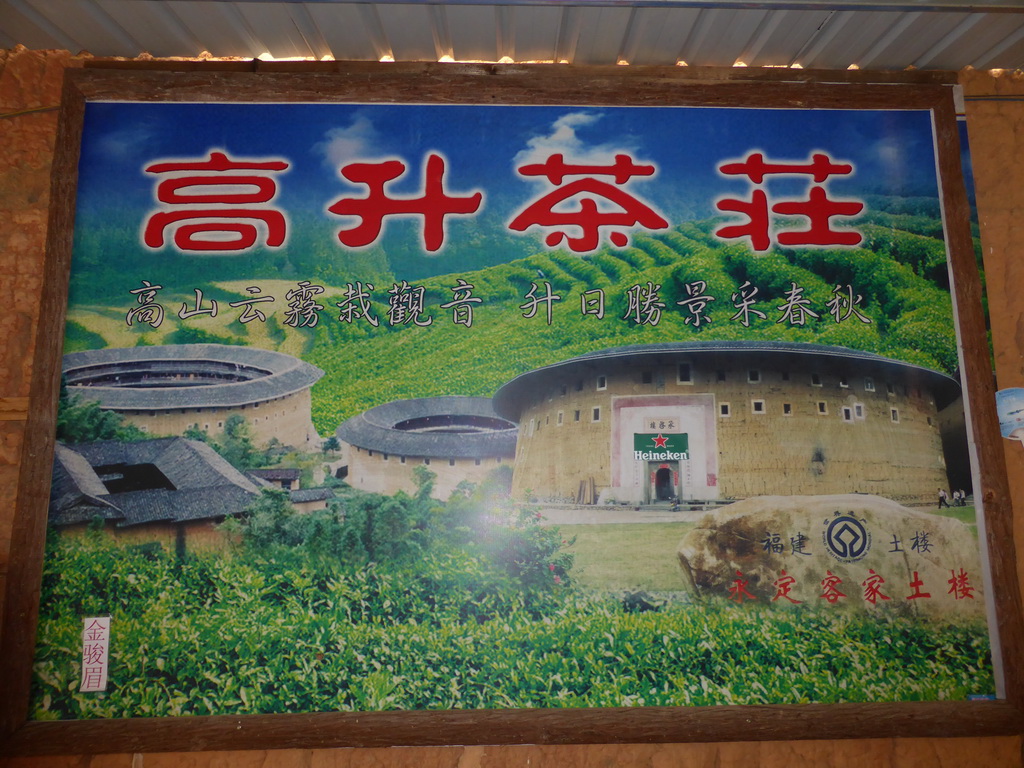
(165, 390)
(726, 420)
(456, 438)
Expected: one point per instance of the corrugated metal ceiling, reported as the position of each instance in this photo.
(866, 35)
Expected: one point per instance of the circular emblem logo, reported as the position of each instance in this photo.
(846, 538)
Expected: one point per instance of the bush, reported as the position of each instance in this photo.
(239, 635)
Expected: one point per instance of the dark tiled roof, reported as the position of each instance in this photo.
(186, 463)
(204, 485)
(736, 347)
(276, 375)
(376, 430)
(510, 396)
(276, 473)
(76, 491)
(72, 473)
(310, 494)
(183, 505)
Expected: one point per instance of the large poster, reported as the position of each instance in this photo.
(375, 406)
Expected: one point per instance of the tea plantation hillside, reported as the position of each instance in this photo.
(889, 296)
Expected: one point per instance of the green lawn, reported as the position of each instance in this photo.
(628, 556)
(963, 514)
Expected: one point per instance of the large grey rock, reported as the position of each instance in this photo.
(751, 549)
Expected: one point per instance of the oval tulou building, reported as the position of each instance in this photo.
(457, 438)
(165, 390)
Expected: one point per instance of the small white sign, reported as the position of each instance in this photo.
(95, 646)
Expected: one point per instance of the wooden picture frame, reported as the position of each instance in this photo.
(486, 84)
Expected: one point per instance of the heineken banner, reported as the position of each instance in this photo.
(659, 447)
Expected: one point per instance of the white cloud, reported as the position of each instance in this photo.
(124, 144)
(888, 152)
(563, 138)
(892, 160)
(343, 145)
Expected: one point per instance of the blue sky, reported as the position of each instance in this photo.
(892, 151)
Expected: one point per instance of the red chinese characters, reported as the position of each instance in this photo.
(960, 585)
(223, 198)
(916, 585)
(830, 588)
(738, 591)
(433, 205)
(787, 588)
(818, 209)
(594, 200)
(783, 586)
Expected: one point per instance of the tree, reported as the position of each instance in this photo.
(424, 480)
(235, 444)
(193, 432)
(84, 421)
(390, 538)
(267, 518)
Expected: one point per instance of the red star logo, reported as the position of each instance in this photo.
(659, 441)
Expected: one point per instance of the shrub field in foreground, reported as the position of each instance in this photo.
(450, 629)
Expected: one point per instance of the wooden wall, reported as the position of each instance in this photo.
(30, 88)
